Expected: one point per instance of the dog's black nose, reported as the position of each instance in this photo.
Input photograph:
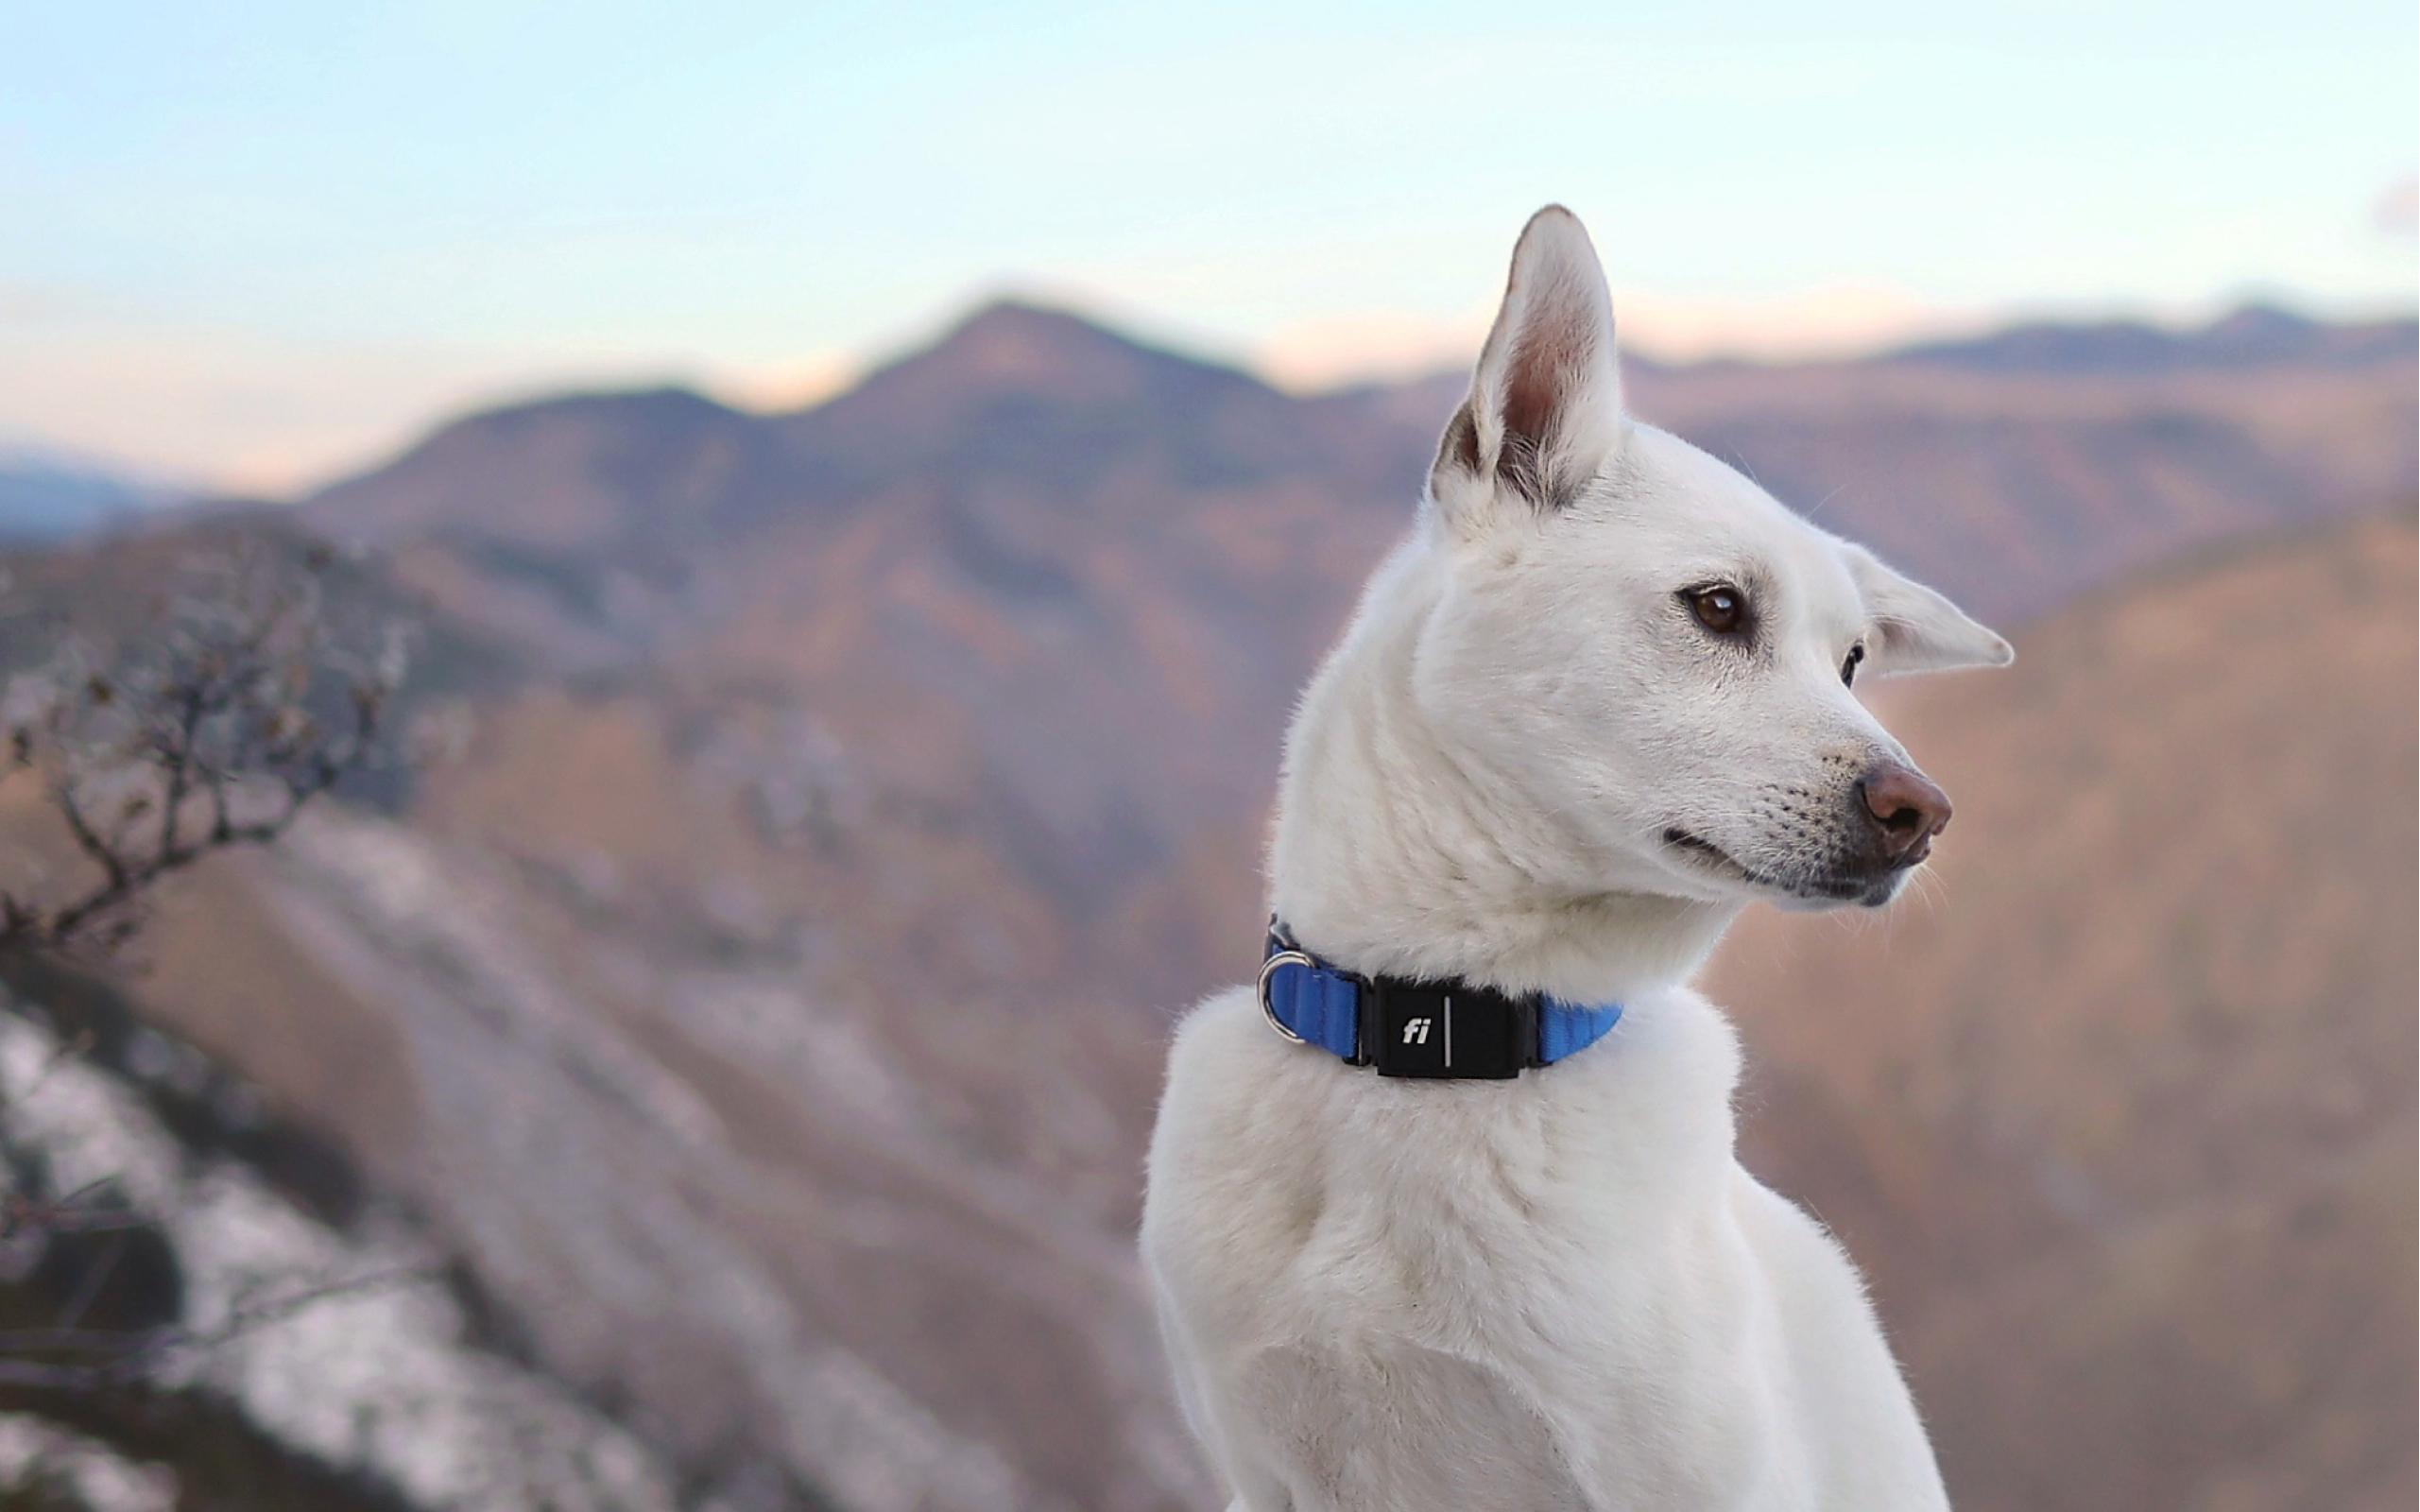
(1908, 811)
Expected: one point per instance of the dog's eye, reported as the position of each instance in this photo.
(1720, 608)
(1849, 668)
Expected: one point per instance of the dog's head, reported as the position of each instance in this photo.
(1636, 639)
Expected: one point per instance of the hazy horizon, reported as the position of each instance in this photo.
(1814, 343)
(269, 239)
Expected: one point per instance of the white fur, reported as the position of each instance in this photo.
(1559, 1291)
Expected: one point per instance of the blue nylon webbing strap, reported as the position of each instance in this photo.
(1566, 1029)
(1320, 1004)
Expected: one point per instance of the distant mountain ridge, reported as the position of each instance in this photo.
(1047, 405)
(2255, 336)
(47, 495)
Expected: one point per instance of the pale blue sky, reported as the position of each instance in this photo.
(256, 240)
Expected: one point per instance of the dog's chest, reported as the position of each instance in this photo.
(1389, 1424)
(1406, 1293)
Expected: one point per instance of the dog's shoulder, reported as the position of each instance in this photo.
(1230, 1193)
(1230, 1079)
(1227, 1027)
(1858, 1423)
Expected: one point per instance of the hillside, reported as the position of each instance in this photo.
(764, 1004)
(2118, 1112)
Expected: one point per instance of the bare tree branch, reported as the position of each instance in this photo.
(242, 702)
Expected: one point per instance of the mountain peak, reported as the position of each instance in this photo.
(1015, 340)
(2262, 321)
(1013, 347)
(1015, 320)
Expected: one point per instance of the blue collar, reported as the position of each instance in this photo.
(1452, 1029)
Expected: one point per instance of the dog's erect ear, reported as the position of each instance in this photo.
(1545, 407)
(1916, 629)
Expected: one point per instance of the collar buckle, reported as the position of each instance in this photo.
(1260, 989)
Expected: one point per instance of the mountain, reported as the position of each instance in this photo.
(2254, 336)
(2013, 470)
(1103, 568)
(762, 1003)
(48, 496)
(599, 525)
(2118, 1113)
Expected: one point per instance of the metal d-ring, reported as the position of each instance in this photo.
(1262, 988)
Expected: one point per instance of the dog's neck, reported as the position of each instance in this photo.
(1391, 856)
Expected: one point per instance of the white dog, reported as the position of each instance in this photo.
(1593, 705)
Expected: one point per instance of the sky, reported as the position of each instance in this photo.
(256, 245)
